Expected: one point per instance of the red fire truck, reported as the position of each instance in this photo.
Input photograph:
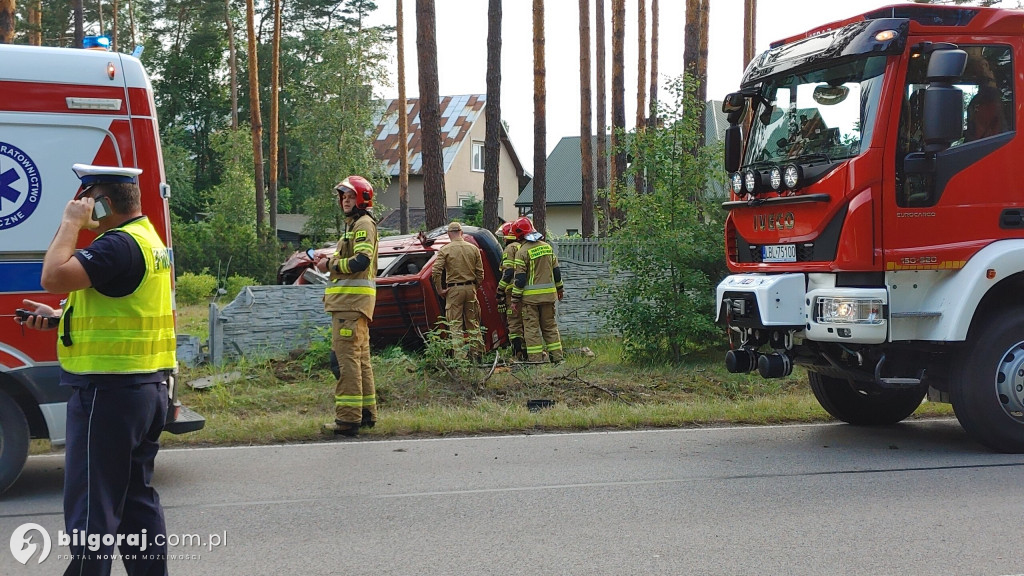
(876, 229)
(60, 107)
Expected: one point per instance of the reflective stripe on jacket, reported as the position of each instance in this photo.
(131, 334)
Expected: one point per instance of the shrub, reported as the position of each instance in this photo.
(235, 283)
(194, 288)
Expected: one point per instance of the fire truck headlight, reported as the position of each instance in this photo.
(792, 175)
(849, 311)
(737, 183)
(751, 180)
(775, 178)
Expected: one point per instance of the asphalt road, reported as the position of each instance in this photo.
(915, 499)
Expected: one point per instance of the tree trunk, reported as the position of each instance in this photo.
(255, 119)
(232, 63)
(7, 21)
(749, 30)
(113, 28)
(275, 107)
(403, 127)
(641, 91)
(492, 137)
(586, 130)
(434, 196)
(652, 115)
(77, 9)
(35, 19)
(601, 113)
(618, 171)
(131, 21)
(702, 63)
(540, 126)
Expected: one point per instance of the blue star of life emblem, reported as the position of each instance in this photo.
(20, 186)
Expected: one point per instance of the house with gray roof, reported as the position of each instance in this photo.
(463, 128)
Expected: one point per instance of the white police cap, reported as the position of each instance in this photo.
(90, 174)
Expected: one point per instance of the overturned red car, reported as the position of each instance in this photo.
(407, 305)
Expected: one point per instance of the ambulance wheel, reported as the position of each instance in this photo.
(13, 441)
(987, 391)
(839, 398)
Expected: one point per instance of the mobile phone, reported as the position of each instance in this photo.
(26, 315)
(101, 209)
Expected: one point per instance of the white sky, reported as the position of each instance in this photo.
(462, 52)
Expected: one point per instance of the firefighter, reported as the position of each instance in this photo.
(538, 283)
(457, 272)
(514, 316)
(350, 297)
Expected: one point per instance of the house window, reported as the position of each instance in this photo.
(464, 199)
(572, 232)
(478, 156)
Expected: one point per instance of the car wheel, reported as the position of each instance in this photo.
(14, 440)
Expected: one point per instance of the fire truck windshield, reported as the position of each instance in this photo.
(827, 111)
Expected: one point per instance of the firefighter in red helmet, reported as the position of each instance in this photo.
(537, 285)
(350, 298)
(514, 316)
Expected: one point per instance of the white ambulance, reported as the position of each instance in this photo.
(60, 107)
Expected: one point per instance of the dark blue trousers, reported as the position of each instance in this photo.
(112, 441)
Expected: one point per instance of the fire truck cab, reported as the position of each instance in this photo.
(876, 228)
(61, 107)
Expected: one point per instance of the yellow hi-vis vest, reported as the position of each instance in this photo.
(131, 334)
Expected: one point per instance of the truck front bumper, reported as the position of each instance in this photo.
(810, 304)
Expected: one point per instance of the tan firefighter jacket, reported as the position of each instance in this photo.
(353, 269)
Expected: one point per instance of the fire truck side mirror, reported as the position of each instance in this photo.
(733, 144)
(942, 120)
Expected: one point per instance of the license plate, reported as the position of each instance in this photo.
(778, 253)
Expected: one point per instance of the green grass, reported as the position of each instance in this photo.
(288, 400)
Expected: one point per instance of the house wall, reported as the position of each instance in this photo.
(462, 181)
(390, 196)
(561, 219)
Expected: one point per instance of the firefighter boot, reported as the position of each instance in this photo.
(368, 419)
(518, 352)
(339, 428)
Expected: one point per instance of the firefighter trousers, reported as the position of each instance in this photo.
(514, 317)
(462, 311)
(541, 332)
(355, 393)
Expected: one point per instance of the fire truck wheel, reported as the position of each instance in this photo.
(13, 441)
(988, 391)
(840, 399)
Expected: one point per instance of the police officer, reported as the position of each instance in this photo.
(538, 283)
(350, 297)
(513, 316)
(116, 351)
(457, 272)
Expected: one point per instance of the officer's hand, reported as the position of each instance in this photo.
(321, 262)
(500, 297)
(443, 292)
(561, 293)
(41, 313)
(502, 309)
(78, 213)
